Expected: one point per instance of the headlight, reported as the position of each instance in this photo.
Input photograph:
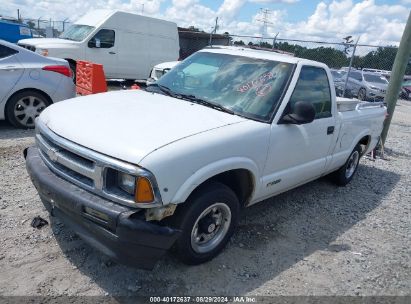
(139, 187)
(126, 182)
(374, 88)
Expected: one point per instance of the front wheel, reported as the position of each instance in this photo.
(207, 220)
(345, 174)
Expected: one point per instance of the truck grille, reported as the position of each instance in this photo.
(29, 47)
(81, 166)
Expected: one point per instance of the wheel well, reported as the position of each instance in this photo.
(364, 142)
(70, 60)
(241, 181)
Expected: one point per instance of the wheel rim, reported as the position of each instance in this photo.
(352, 164)
(27, 109)
(210, 228)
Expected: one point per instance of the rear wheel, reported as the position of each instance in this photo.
(207, 220)
(23, 108)
(346, 173)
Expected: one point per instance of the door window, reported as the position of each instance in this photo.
(104, 39)
(6, 51)
(313, 86)
(356, 76)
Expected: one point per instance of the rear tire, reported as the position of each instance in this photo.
(24, 107)
(345, 174)
(207, 220)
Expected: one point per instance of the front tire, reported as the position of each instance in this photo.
(346, 173)
(23, 108)
(207, 220)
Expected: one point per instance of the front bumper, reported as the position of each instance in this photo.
(118, 231)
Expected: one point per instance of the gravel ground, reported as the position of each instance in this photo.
(314, 240)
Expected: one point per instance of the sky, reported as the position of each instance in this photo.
(378, 22)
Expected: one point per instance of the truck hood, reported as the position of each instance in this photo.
(45, 41)
(129, 125)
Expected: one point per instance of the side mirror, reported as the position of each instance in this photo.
(303, 112)
(91, 43)
(94, 43)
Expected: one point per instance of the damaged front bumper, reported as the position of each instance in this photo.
(120, 232)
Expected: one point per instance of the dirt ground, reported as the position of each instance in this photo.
(314, 240)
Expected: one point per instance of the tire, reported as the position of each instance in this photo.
(362, 94)
(346, 173)
(211, 212)
(22, 108)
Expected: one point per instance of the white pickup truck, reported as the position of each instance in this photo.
(137, 172)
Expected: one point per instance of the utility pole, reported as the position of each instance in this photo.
(349, 67)
(274, 40)
(265, 17)
(213, 31)
(397, 75)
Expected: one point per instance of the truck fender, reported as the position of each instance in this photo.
(213, 169)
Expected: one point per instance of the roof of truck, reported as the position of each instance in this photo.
(260, 54)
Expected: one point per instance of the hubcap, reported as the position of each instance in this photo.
(210, 228)
(27, 109)
(352, 164)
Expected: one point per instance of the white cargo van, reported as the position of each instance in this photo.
(128, 45)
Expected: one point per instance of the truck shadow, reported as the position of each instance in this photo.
(272, 237)
(7, 131)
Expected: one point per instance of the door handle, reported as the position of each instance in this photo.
(330, 130)
(112, 53)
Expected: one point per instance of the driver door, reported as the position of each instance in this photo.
(102, 49)
(298, 153)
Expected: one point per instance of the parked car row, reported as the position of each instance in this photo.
(366, 86)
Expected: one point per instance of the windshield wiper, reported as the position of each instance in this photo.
(167, 91)
(206, 103)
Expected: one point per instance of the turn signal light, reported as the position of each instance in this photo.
(144, 191)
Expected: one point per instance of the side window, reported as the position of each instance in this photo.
(313, 86)
(104, 39)
(356, 76)
(6, 51)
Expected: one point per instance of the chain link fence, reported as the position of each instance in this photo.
(47, 28)
(341, 57)
(336, 55)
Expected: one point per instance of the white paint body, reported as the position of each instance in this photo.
(184, 144)
(23, 70)
(140, 43)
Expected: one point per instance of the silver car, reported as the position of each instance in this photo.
(30, 82)
(367, 86)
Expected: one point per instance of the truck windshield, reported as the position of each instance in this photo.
(77, 32)
(375, 78)
(244, 86)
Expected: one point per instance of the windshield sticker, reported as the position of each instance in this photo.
(257, 83)
(263, 90)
